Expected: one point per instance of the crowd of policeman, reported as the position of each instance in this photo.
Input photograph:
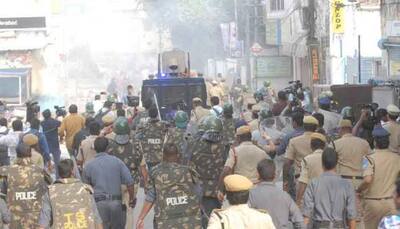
(219, 167)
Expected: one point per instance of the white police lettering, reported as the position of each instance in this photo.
(180, 200)
(25, 196)
(154, 141)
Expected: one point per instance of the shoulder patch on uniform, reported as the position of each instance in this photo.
(262, 210)
(365, 163)
(88, 188)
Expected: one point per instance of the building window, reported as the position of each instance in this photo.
(277, 5)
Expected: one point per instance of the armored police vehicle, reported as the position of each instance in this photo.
(172, 88)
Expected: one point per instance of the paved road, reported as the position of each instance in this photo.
(140, 195)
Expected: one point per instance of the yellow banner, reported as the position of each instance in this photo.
(337, 9)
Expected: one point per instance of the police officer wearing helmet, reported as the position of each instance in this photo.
(89, 110)
(122, 148)
(26, 186)
(239, 215)
(393, 127)
(69, 203)
(347, 113)
(208, 160)
(331, 119)
(381, 170)
(151, 141)
(228, 127)
(178, 134)
(173, 193)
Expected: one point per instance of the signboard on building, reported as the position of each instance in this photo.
(22, 23)
(314, 54)
(337, 11)
(273, 66)
(394, 62)
(273, 32)
(393, 28)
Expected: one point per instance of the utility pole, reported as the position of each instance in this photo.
(247, 44)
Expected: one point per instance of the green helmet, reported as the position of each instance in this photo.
(347, 112)
(213, 124)
(89, 107)
(181, 119)
(265, 113)
(121, 126)
(228, 109)
(267, 83)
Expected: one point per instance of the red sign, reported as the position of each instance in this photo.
(256, 48)
(315, 63)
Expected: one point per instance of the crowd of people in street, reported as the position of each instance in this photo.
(238, 160)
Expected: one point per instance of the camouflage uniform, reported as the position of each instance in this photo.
(228, 133)
(71, 202)
(152, 137)
(176, 202)
(207, 159)
(26, 185)
(178, 137)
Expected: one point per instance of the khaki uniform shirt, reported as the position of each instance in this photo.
(311, 167)
(198, 113)
(216, 91)
(245, 159)
(86, 150)
(37, 158)
(351, 151)
(298, 148)
(394, 129)
(240, 217)
(384, 166)
(71, 125)
(254, 125)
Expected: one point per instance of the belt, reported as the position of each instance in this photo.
(383, 198)
(328, 224)
(105, 197)
(352, 177)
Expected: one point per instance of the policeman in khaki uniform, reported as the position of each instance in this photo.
(298, 148)
(254, 123)
(32, 141)
(393, 128)
(26, 186)
(216, 90)
(381, 170)
(174, 194)
(351, 151)
(239, 215)
(198, 111)
(108, 121)
(243, 159)
(70, 203)
(311, 166)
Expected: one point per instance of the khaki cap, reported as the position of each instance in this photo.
(256, 108)
(251, 101)
(237, 183)
(310, 120)
(318, 136)
(345, 123)
(243, 130)
(30, 139)
(197, 99)
(108, 119)
(392, 109)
